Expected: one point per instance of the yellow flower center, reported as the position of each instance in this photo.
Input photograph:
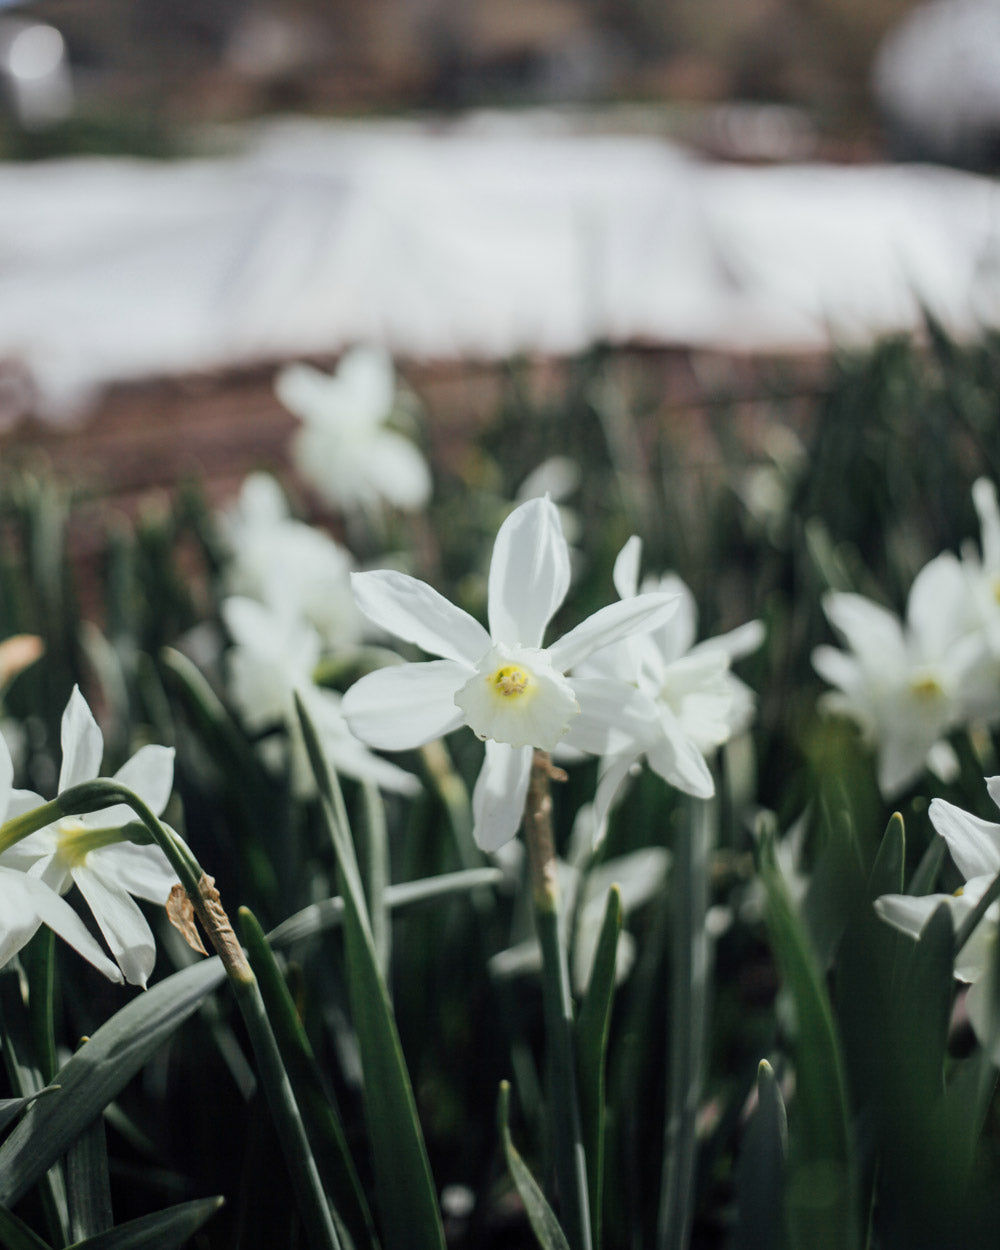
(510, 681)
(926, 688)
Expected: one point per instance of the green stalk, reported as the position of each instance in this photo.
(570, 1159)
(39, 961)
(688, 1020)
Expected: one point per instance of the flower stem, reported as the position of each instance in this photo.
(689, 970)
(571, 1164)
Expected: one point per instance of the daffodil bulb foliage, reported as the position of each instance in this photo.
(344, 447)
(91, 852)
(974, 845)
(502, 683)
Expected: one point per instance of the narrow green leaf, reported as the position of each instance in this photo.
(162, 1230)
(375, 843)
(408, 1203)
(16, 1235)
(593, 1027)
(760, 1175)
(822, 1187)
(540, 1214)
(889, 870)
(11, 1108)
(88, 1186)
(319, 1114)
(97, 1073)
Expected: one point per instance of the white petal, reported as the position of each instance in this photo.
(612, 716)
(744, 640)
(529, 574)
(415, 612)
(614, 770)
(122, 923)
(937, 609)
(984, 499)
(398, 472)
(612, 624)
(837, 668)
(974, 844)
(406, 705)
(82, 743)
(676, 758)
(498, 798)
(626, 570)
(872, 632)
(26, 903)
(909, 914)
(142, 870)
(148, 774)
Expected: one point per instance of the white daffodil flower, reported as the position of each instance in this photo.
(274, 656)
(694, 703)
(344, 449)
(974, 845)
(86, 851)
(287, 564)
(906, 685)
(509, 690)
(26, 902)
(982, 571)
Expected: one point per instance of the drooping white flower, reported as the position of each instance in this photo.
(974, 845)
(273, 657)
(343, 448)
(26, 903)
(693, 702)
(906, 685)
(503, 684)
(287, 564)
(86, 851)
(982, 571)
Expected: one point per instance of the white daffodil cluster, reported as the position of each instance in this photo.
(693, 703)
(908, 683)
(517, 695)
(289, 604)
(344, 447)
(974, 845)
(90, 852)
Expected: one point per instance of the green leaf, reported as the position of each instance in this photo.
(593, 1027)
(822, 1186)
(540, 1214)
(97, 1073)
(374, 840)
(888, 873)
(11, 1108)
(162, 1230)
(319, 1115)
(88, 1186)
(16, 1235)
(760, 1174)
(408, 1202)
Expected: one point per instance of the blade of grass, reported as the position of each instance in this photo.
(408, 1203)
(540, 1215)
(593, 1029)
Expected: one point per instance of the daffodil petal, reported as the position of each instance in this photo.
(974, 844)
(122, 923)
(614, 770)
(612, 624)
(499, 794)
(415, 612)
(398, 471)
(612, 714)
(529, 574)
(405, 705)
(142, 870)
(82, 743)
(626, 571)
(149, 774)
(27, 903)
(677, 759)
